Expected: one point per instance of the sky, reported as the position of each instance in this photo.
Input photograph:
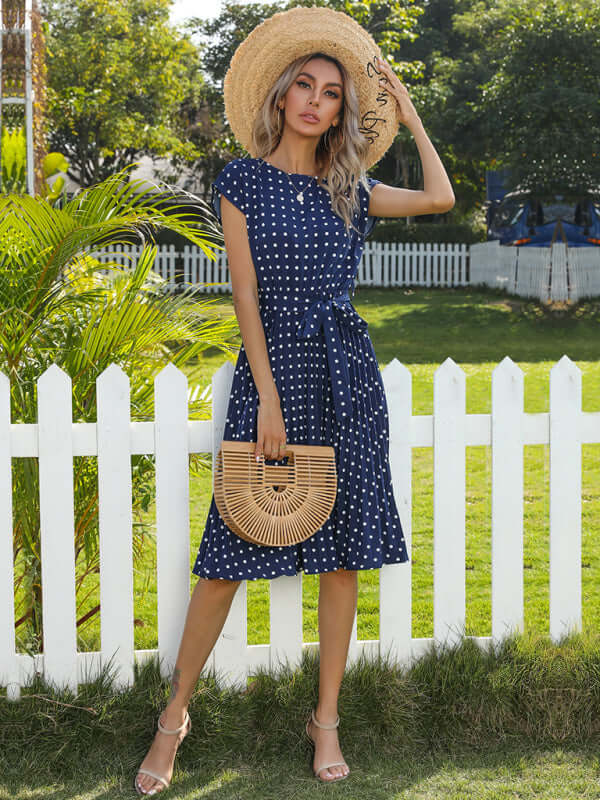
(182, 9)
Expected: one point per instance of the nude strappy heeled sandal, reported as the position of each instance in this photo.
(333, 763)
(187, 723)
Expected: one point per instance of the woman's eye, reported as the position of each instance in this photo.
(304, 83)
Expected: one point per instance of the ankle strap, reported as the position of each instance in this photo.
(162, 729)
(327, 726)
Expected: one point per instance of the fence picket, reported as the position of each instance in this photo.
(115, 522)
(395, 585)
(9, 673)
(507, 499)
(565, 498)
(172, 510)
(57, 528)
(449, 502)
(229, 653)
(285, 611)
(558, 288)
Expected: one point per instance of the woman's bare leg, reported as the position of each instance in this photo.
(338, 595)
(207, 612)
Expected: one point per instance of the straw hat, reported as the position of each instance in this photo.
(261, 58)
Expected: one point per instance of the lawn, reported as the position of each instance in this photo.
(243, 756)
(459, 724)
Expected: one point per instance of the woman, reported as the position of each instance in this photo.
(295, 217)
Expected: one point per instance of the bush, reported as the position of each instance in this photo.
(399, 231)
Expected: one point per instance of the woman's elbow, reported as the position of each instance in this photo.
(444, 204)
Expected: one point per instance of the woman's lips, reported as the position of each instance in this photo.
(309, 117)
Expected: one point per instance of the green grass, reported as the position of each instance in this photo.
(421, 328)
(518, 721)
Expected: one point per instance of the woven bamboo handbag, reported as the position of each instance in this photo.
(270, 504)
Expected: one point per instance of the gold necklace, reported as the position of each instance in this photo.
(299, 194)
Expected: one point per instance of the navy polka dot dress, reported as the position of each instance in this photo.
(325, 371)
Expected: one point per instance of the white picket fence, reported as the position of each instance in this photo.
(382, 264)
(545, 273)
(555, 273)
(55, 439)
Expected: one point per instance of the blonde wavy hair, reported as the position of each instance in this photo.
(341, 151)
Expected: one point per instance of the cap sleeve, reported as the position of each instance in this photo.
(366, 222)
(232, 181)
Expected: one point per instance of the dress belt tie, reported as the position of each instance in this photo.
(328, 314)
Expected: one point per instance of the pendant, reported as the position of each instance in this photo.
(300, 197)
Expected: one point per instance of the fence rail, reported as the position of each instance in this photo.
(55, 439)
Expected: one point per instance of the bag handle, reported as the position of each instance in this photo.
(278, 474)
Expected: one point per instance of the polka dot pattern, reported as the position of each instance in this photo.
(324, 366)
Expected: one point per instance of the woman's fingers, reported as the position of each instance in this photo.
(277, 449)
(391, 76)
(269, 449)
(392, 84)
(271, 440)
(274, 448)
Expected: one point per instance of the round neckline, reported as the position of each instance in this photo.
(297, 174)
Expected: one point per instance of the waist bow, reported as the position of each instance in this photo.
(329, 315)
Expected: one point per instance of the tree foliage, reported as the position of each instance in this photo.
(496, 83)
(119, 77)
(521, 90)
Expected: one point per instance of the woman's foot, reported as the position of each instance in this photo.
(327, 748)
(161, 755)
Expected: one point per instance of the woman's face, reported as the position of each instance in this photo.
(317, 89)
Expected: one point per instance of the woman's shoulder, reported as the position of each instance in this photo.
(239, 173)
(236, 181)
(243, 166)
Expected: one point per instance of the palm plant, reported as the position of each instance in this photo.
(59, 305)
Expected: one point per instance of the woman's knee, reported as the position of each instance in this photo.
(340, 574)
(220, 584)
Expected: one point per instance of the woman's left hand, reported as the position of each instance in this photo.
(389, 81)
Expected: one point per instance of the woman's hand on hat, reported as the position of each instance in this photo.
(389, 81)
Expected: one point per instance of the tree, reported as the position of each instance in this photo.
(523, 91)
(119, 78)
